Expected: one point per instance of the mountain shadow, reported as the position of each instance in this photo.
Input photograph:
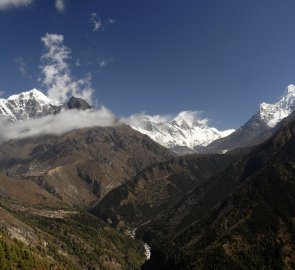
(242, 218)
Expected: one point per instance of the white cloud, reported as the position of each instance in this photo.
(6, 4)
(60, 5)
(97, 23)
(104, 62)
(57, 73)
(57, 124)
(138, 118)
(2, 93)
(22, 66)
(111, 21)
(78, 63)
(143, 119)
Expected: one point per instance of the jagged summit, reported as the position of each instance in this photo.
(260, 126)
(32, 94)
(78, 103)
(25, 105)
(271, 114)
(33, 104)
(186, 129)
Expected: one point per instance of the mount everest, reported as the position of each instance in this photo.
(186, 129)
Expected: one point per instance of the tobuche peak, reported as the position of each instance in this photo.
(25, 105)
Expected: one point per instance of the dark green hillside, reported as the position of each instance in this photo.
(243, 218)
(66, 238)
(158, 187)
(14, 255)
(83, 240)
(48, 182)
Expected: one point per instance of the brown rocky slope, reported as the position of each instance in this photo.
(81, 166)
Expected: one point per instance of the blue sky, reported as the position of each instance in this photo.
(158, 56)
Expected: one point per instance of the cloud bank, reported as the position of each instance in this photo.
(56, 124)
(7, 4)
(56, 72)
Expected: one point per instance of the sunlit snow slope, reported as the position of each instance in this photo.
(186, 129)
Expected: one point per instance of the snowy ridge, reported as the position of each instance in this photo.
(260, 126)
(272, 114)
(25, 105)
(186, 129)
(189, 130)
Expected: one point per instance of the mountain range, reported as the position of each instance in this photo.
(186, 130)
(111, 197)
(260, 126)
(34, 104)
(185, 133)
(242, 218)
(48, 183)
(83, 165)
(239, 217)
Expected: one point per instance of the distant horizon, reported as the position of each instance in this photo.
(200, 114)
(161, 58)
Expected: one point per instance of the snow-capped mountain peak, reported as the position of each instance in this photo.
(185, 129)
(291, 89)
(190, 119)
(271, 114)
(25, 105)
(32, 94)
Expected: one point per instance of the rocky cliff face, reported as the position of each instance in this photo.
(77, 103)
